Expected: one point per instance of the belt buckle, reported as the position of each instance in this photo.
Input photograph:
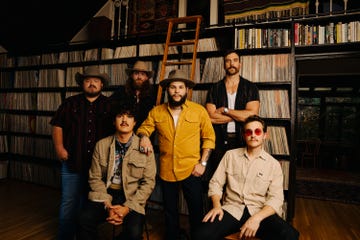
(231, 135)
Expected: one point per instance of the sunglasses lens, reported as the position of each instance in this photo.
(248, 132)
(258, 131)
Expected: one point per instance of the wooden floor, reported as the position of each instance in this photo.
(29, 211)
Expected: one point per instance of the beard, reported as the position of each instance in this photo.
(174, 103)
(92, 92)
(231, 73)
(139, 84)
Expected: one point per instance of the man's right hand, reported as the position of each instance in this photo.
(145, 145)
(114, 217)
(211, 215)
(62, 154)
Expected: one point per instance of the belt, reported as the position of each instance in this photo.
(231, 135)
(115, 186)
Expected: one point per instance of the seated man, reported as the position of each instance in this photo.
(253, 198)
(121, 180)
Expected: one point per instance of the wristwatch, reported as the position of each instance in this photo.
(203, 163)
(226, 110)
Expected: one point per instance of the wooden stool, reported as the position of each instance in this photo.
(235, 236)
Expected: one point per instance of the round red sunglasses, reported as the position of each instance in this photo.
(249, 132)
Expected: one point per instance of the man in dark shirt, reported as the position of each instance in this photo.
(138, 90)
(78, 123)
(229, 102)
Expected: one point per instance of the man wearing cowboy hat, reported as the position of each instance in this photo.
(79, 122)
(138, 90)
(186, 137)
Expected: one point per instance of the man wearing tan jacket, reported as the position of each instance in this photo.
(121, 180)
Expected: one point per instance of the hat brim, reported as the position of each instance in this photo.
(164, 83)
(79, 78)
(129, 71)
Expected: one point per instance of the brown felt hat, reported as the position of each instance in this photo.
(141, 67)
(92, 71)
(177, 75)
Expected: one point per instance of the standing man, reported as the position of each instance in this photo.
(229, 102)
(253, 183)
(186, 138)
(121, 180)
(78, 123)
(138, 90)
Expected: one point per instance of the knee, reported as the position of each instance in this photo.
(85, 219)
(200, 234)
(133, 233)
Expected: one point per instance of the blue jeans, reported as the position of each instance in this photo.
(74, 194)
(193, 194)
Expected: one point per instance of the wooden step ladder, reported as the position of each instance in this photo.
(174, 22)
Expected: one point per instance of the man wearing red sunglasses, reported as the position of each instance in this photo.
(253, 183)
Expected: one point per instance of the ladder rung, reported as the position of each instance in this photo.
(186, 42)
(185, 19)
(178, 63)
(174, 21)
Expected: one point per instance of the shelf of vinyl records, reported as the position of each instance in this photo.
(43, 171)
(104, 53)
(257, 68)
(261, 69)
(29, 151)
(32, 87)
(30, 158)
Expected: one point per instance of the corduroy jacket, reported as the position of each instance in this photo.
(138, 173)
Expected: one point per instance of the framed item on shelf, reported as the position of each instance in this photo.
(149, 16)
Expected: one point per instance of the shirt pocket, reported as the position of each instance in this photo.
(235, 180)
(261, 184)
(136, 168)
(192, 122)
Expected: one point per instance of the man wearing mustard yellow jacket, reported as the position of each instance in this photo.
(186, 138)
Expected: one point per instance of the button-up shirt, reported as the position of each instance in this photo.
(83, 123)
(252, 183)
(180, 146)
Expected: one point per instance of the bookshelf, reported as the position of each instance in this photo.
(33, 86)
